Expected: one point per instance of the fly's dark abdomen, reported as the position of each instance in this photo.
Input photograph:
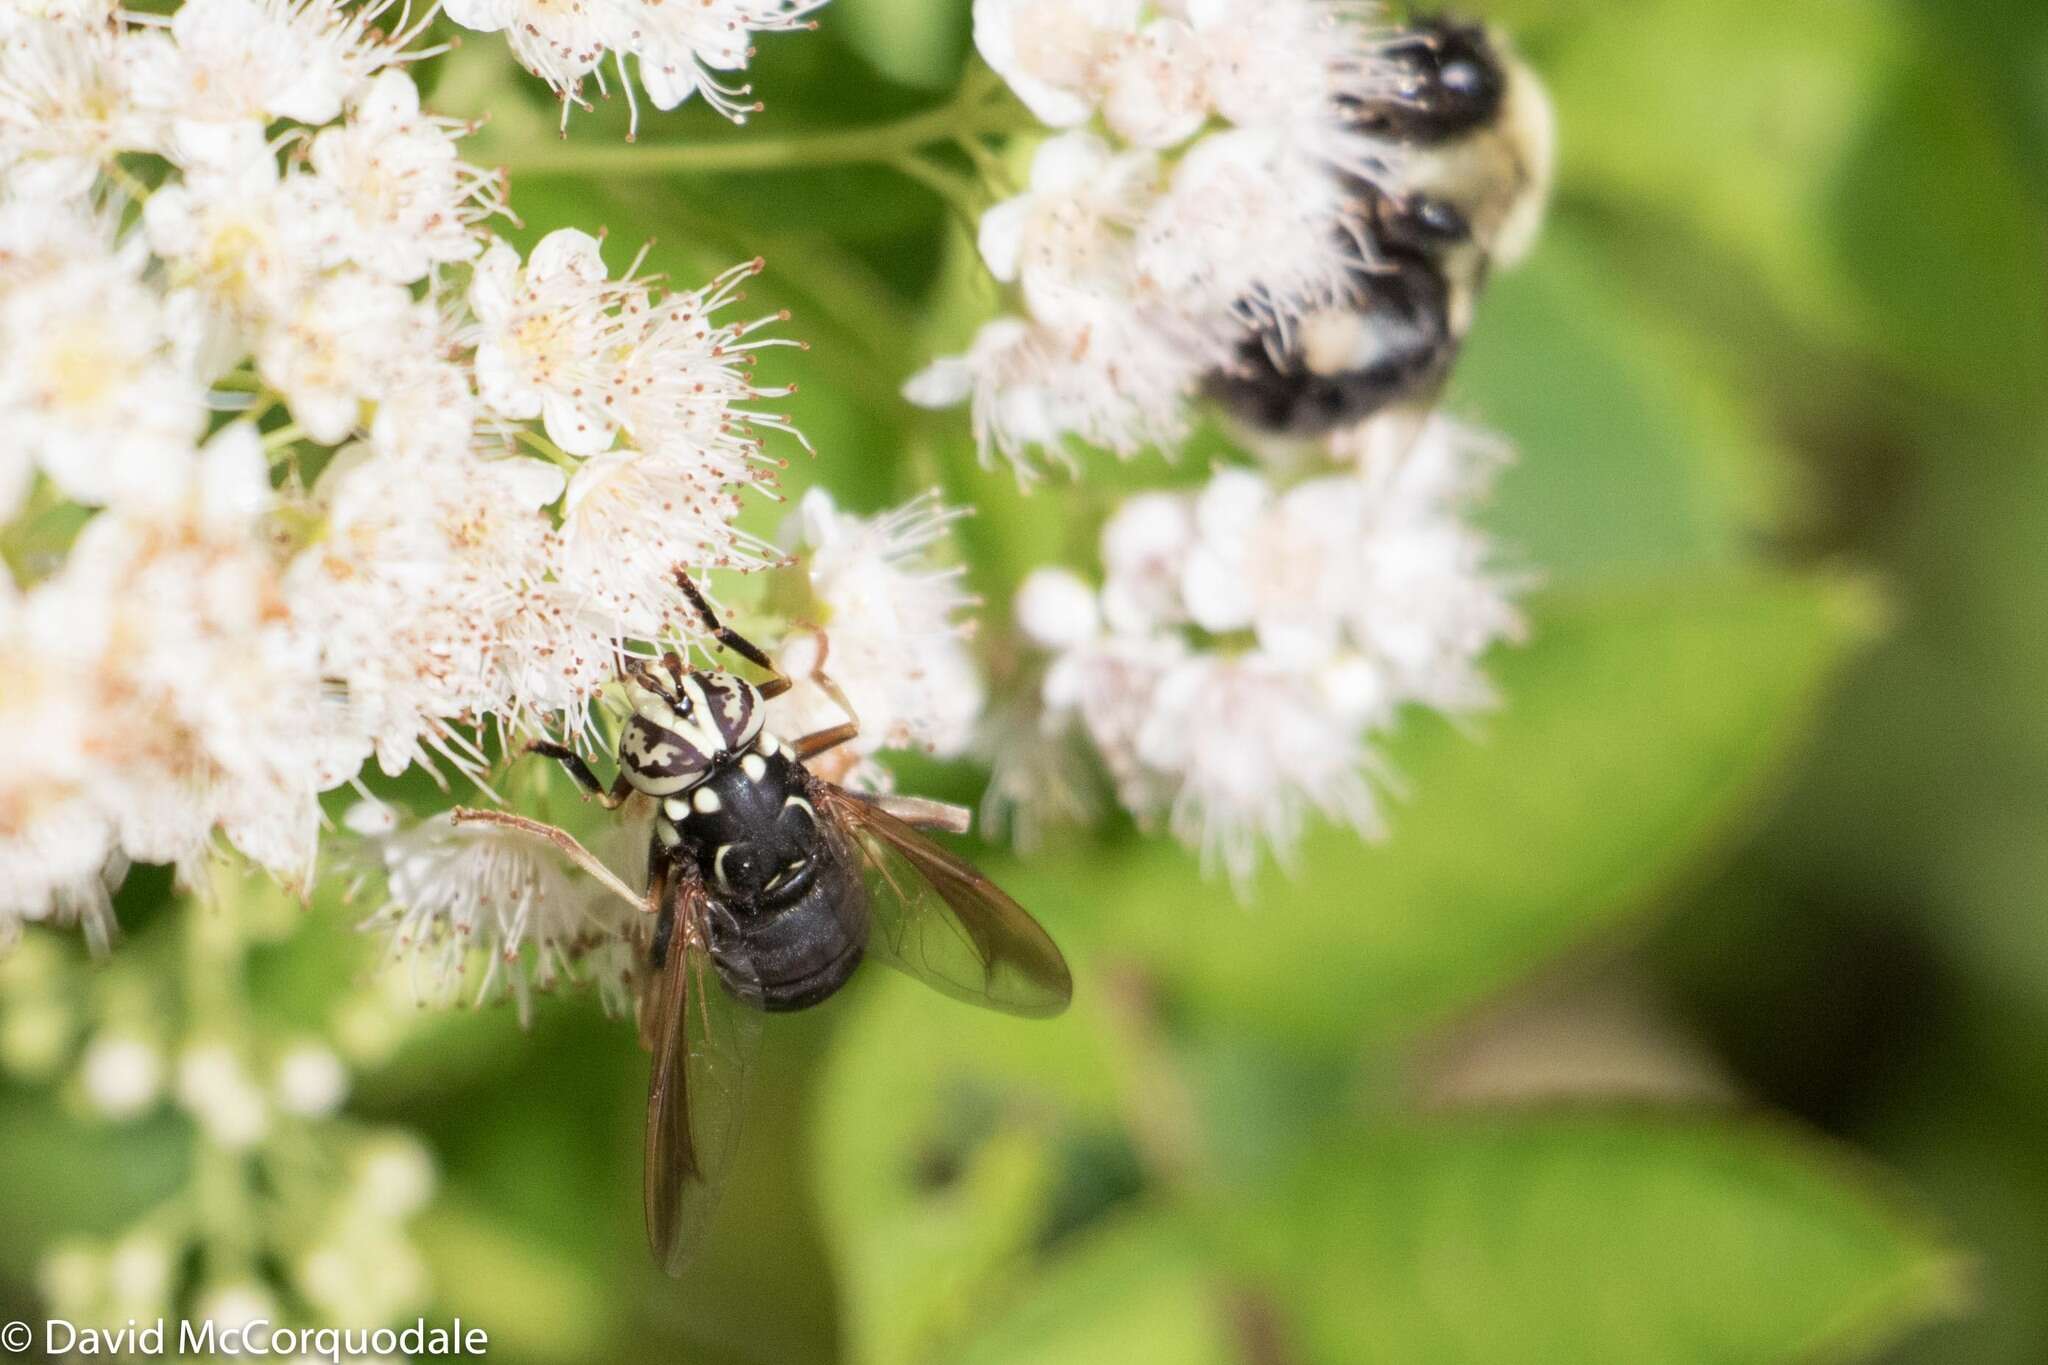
(790, 955)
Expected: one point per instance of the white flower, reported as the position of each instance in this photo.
(122, 1075)
(333, 352)
(407, 202)
(1056, 609)
(1157, 92)
(632, 520)
(171, 619)
(1136, 291)
(1437, 600)
(1145, 548)
(1051, 52)
(1291, 68)
(310, 1080)
(681, 379)
(1253, 748)
(1067, 238)
(1108, 683)
(679, 47)
(560, 41)
(240, 235)
(557, 339)
(891, 621)
(55, 840)
(411, 595)
(178, 623)
(394, 1178)
(140, 1272)
(236, 1306)
(1247, 645)
(463, 893)
(1113, 383)
(1248, 222)
(545, 328)
(226, 66)
(98, 393)
(65, 105)
(215, 1089)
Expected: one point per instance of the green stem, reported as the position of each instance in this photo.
(217, 1012)
(285, 435)
(974, 114)
(130, 184)
(541, 445)
(961, 194)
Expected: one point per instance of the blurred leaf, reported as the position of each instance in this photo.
(86, 1176)
(536, 1302)
(1136, 1293)
(1591, 1238)
(1934, 221)
(1630, 452)
(932, 1177)
(1637, 728)
(911, 41)
(1733, 136)
(1834, 151)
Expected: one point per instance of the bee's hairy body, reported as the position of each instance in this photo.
(1476, 138)
(734, 808)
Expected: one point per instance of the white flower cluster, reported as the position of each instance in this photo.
(1199, 186)
(455, 894)
(459, 896)
(890, 617)
(291, 391)
(678, 46)
(1245, 647)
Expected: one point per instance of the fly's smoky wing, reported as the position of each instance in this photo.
(702, 1043)
(936, 917)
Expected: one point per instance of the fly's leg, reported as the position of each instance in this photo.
(831, 689)
(818, 741)
(610, 799)
(739, 644)
(810, 745)
(565, 843)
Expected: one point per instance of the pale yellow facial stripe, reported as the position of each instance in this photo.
(698, 729)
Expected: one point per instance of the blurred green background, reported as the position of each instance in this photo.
(1696, 1009)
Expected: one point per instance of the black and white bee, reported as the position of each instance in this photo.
(766, 887)
(1471, 140)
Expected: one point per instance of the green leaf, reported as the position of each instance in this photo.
(1844, 157)
(933, 1177)
(536, 1303)
(911, 41)
(1592, 1238)
(1607, 411)
(944, 1167)
(1734, 139)
(1136, 1293)
(1637, 729)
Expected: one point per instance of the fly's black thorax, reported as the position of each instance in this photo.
(750, 828)
(794, 928)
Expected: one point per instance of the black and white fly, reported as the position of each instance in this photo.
(766, 887)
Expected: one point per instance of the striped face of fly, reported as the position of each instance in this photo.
(682, 726)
